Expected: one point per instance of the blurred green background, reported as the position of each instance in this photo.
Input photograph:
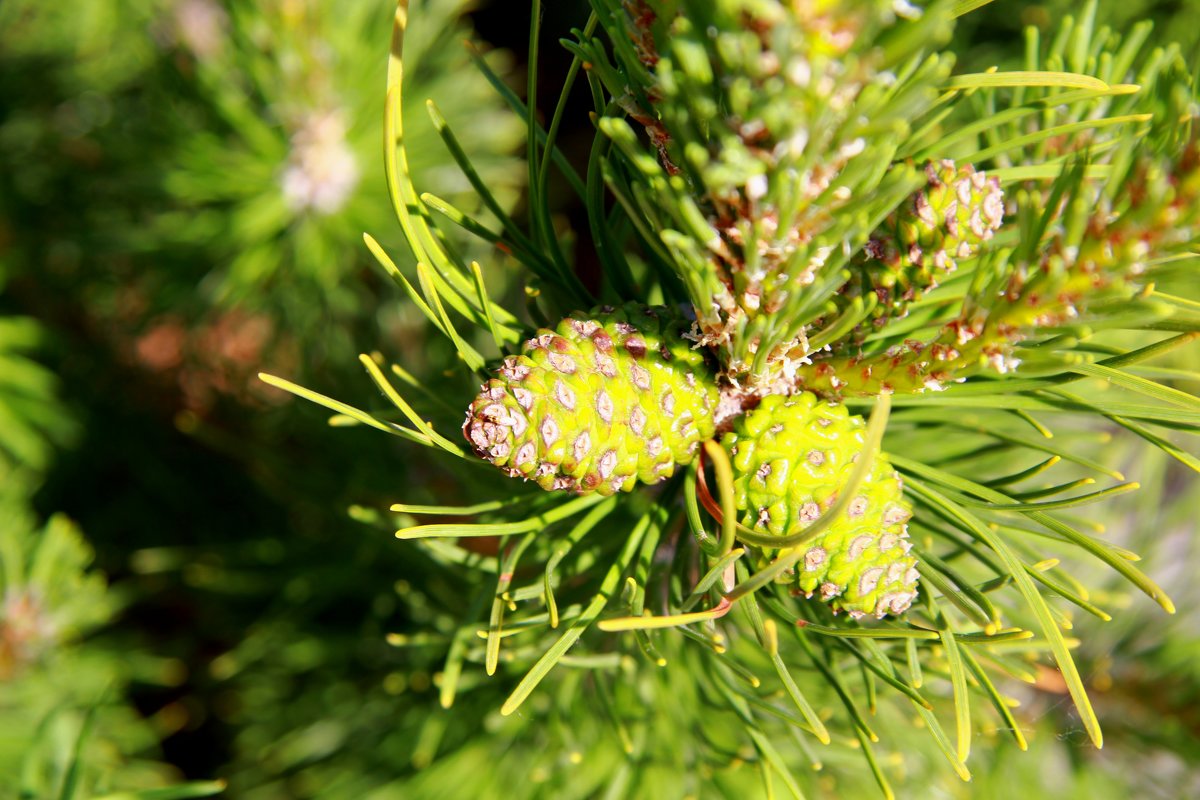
(194, 583)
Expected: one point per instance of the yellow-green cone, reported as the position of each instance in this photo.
(607, 399)
(791, 456)
(922, 241)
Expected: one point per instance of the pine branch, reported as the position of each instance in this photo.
(767, 169)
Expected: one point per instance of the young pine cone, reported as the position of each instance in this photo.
(923, 240)
(791, 457)
(607, 399)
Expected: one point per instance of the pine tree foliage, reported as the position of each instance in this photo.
(145, 146)
(32, 418)
(67, 728)
(284, 96)
(208, 160)
(778, 170)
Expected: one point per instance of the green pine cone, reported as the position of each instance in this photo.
(924, 239)
(791, 456)
(607, 399)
